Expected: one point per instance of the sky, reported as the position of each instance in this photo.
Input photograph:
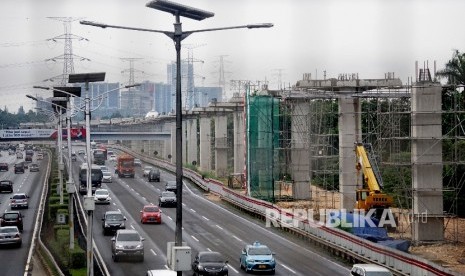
(368, 37)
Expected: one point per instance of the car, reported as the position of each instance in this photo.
(33, 167)
(19, 155)
(104, 169)
(161, 272)
(257, 257)
(112, 157)
(12, 218)
(107, 177)
(73, 156)
(150, 213)
(3, 167)
(146, 170)
(369, 270)
(137, 162)
(127, 243)
(11, 152)
(6, 186)
(102, 196)
(113, 221)
(10, 235)
(171, 186)
(209, 263)
(19, 168)
(19, 200)
(80, 152)
(167, 198)
(154, 175)
(40, 156)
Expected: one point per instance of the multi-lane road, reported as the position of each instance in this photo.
(207, 224)
(12, 259)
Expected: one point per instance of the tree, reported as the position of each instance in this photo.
(455, 69)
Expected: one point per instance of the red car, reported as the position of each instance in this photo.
(150, 214)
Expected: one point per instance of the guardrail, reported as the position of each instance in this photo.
(343, 243)
(36, 235)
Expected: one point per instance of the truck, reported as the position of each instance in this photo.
(29, 155)
(98, 157)
(370, 195)
(125, 166)
(96, 178)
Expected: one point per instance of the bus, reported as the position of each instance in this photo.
(96, 178)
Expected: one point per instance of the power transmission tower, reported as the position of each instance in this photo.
(221, 79)
(133, 104)
(191, 98)
(68, 56)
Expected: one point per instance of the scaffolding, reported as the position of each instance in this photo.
(277, 119)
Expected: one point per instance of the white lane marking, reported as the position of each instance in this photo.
(205, 218)
(195, 238)
(184, 204)
(193, 211)
(119, 210)
(236, 238)
(132, 227)
(219, 227)
(208, 249)
(114, 203)
(153, 252)
(288, 268)
(169, 217)
(230, 267)
(144, 198)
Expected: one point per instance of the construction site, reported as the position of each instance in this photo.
(299, 136)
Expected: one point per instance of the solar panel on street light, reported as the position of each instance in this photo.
(178, 9)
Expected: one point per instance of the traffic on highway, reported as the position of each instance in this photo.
(134, 219)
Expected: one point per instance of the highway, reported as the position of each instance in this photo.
(12, 259)
(208, 225)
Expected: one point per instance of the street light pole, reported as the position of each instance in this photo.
(60, 153)
(89, 204)
(70, 183)
(177, 40)
(177, 36)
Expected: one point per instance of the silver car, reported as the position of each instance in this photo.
(167, 198)
(127, 243)
(102, 196)
(107, 177)
(19, 200)
(10, 235)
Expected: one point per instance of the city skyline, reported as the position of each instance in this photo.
(370, 38)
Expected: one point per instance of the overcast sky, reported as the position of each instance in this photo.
(367, 37)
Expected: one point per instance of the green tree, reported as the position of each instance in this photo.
(455, 69)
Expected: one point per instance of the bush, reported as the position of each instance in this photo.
(77, 258)
(53, 209)
(56, 200)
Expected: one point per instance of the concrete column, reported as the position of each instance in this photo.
(205, 147)
(239, 142)
(349, 133)
(173, 143)
(221, 146)
(300, 153)
(192, 147)
(426, 161)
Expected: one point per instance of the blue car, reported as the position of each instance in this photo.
(257, 257)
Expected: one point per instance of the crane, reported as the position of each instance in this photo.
(369, 196)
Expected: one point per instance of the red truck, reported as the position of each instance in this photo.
(125, 165)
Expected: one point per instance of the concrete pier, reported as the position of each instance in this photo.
(426, 158)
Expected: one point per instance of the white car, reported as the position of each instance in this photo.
(112, 158)
(102, 196)
(146, 170)
(107, 177)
